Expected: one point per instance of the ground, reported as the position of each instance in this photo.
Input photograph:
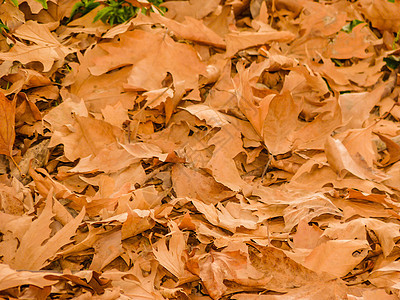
(219, 150)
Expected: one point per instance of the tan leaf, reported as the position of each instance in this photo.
(216, 267)
(353, 44)
(241, 40)
(383, 14)
(342, 162)
(37, 33)
(211, 116)
(359, 142)
(337, 257)
(220, 216)
(10, 278)
(32, 254)
(194, 184)
(198, 9)
(172, 258)
(320, 19)
(11, 15)
(178, 59)
(46, 49)
(89, 137)
(107, 248)
(228, 144)
(280, 124)
(192, 29)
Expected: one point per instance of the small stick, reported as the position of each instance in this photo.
(19, 169)
(266, 166)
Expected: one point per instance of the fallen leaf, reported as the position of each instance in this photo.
(341, 161)
(175, 58)
(280, 124)
(38, 233)
(7, 123)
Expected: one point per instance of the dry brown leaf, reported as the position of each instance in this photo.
(220, 216)
(194, 184)
(198, 9)
(321, 19)
(107, 248)
(192, 29)
(280, 124)
(11, 15)
(387, 233)
(306, 236)
(359, 142)
(348, 45)
(228, 144)
(178, 59)
(216, 267)
(7, 123)
(211, 116)
(136, 222)
(356, 107)
(334, 289)
(173, 258)
(393, 149)
(10, 278)
(236, 41)
(46, 49)
(383, 14)
(32, 254)
(306, 208)
(342, 162)
(89, 137)
(336, 257)
(285, 273)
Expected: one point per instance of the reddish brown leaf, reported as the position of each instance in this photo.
(7, 123)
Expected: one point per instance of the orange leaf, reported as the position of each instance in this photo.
(7, 124)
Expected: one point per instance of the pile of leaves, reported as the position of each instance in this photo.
(222, 150)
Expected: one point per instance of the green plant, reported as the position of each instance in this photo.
(396, 39)
(43, 2)
(113, 11)
(116, 12)
(82, 8)
(349, 27)
(393, 62)
(3, 26)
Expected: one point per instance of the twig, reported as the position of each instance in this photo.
(266, 166)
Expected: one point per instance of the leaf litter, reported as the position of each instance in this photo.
(225, 150)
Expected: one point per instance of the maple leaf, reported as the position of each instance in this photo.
(341, 161)
(133, 49)
(172, 258)
(46, 49)
(214, 268)
(32, 254)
